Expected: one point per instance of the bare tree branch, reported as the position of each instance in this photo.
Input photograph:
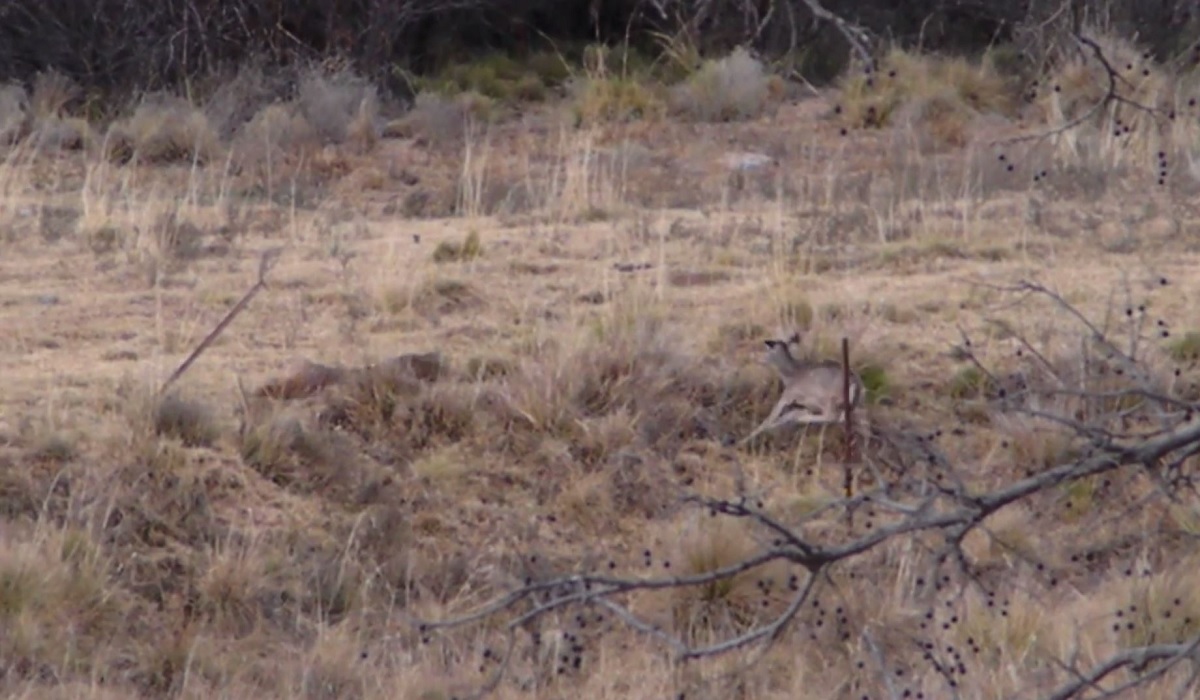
(856, 36)
(1137, 659)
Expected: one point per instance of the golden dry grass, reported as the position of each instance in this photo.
(599, 294)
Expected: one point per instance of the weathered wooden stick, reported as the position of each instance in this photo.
(264, 266)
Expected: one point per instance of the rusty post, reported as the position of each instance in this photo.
(849, 417)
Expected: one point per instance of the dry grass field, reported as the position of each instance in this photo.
(598, 290)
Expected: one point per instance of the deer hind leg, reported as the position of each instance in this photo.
(786, 411)
(771, 421)
(821, 443)
(762, 427)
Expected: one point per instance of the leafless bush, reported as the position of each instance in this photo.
(238, 99)
(441, 119)
(276, 137)
(732, 88)
(165, 128)
(52, 93)
(340, 106)
(14, 113)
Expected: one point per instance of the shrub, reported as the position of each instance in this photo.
(276, 133)
(604, 99)
(917, 89)
(1137, 124)
(469, 249)
(164, 129)
(192, 422)
(733, 88)
(340, 107)
(14, 113)
(500, 77)
(1185, 348)
(235, 100)
(440, 118)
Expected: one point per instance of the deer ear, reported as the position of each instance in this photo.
(795, 337)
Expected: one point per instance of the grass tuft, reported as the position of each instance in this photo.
(469, 249)
(191, 422)
(164, 129)
(604, 100)
(1185, 348)
(938, 95)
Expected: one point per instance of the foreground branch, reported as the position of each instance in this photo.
(1137, 659)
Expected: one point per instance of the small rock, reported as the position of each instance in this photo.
(746, 162)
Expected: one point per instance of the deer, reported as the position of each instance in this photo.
(813, 391)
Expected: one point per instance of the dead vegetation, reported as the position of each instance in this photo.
(536, 398)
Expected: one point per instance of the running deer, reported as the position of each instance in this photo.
(812, 390)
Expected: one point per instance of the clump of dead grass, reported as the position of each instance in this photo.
(332, 108)
(1149, 115)
(289, 449)
(1035, 445)
(481, 368)
(439, 119)
(469, 249)
(627, 383)
(14, 113)
(232, 583)
(173, 239)
(615, 99)
(1159, 607)
(501, 77)
(331, 668)
(399, 405)
(53, 92)
(939, 96)
(441, 414)
(795, 310)
(969, 382)
(609, 90)
(57, 607)
(442, 296)
(736, 333)
(614, 86)
(164, 129)
(235, 99)
(53, 446)
(50, 125)
(727, 607)
(341, 106)
(276, 137)
(64, 134)
(190, 421)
